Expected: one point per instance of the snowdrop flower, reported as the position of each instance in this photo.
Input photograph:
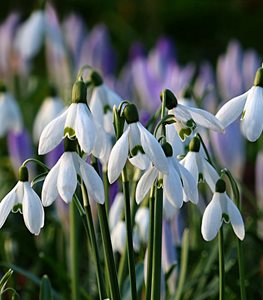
(62, 178)
(76, 121)
(142, 221)
(10, 115)
(116, 210)
(220, 209)
(178, 186)
(50, 109)
(249, 106)
(137, 142)
(102, 101)
(30, 35)
(23, 195)
(198, 166)
(187, 118)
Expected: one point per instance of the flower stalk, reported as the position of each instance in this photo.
(221, 264)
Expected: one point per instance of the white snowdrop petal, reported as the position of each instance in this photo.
(190, 163)
(116, 210)
(169, 210)
(232, 109)
(7, 204)
(145, 183)
(140, 161)
(67, 177)
(153, 149)
(212, 218)
(118, 237)
(49, 189)
(235, 219)
(96, 106)
(205, 119)
(252, 124)
(142, 219)
(172, 188)
(92, 182)
(210, 174)
(85, 128)
(52, 134)
(118, 157)
(33, 212)
(189, 184)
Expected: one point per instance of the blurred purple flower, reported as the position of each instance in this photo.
(53, 156)
(251, 62)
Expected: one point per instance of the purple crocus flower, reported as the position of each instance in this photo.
(20, 148)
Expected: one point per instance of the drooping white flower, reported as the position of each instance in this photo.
(23, 194)
(101, 103)
(187, 117)
(142, 221)
(249, 107)
(220, 208)
(116, 210)
(178, 184)
(62, 178)
(198, 166)
(30, 35)
(49, 110)
(10, 115)
(76, 121)
(138, 143)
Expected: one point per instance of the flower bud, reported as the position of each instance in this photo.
(220, 186)
(171, 101)
(23, 174)
(96, 78)
(79, 92)
(168, 150)
(259, 78)
(194, 145)
(130, 113)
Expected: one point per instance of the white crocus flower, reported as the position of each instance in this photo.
(10, 115)
(62, 178)
(76, 121)
(49, 110)
(23, 194)
(178, 186)
(187, 117)
(198, 166)
(137, 142)
(101, 103)
(249, 107)
(218, 210)
(30, 35)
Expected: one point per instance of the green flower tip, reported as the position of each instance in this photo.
(23, 174)
(130, 113)
(259, 78)
(194, 145)
(3, 88)
(220, 186)
(168, 149)
(70, 145)
(96, 78)
(79, 92)
(170, 99)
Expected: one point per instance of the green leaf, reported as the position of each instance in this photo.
(45, 289)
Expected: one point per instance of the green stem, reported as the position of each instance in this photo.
(106, 192)
(38, 162)
(221, 264)
(129, 230)
(74, 259)
(93, 242)
(157, 245)
(150, 247)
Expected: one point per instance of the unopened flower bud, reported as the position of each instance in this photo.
(220, 186)
(194, 145)
(259, 78)
(79, 92)
(130, 113)
(23, 174)
(171, 101)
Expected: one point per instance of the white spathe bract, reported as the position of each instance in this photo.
(10, 115)
(33, 212)
(62, 180)
(49, 110)
(249, 107)
(213, 217)
(75, 121)
(133, 137)
(178, 185)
